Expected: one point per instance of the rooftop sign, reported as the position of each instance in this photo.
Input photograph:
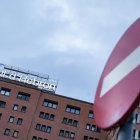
(28, 77)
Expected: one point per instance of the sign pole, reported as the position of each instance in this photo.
(126, 129)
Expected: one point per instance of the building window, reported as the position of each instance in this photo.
(52, 117)
(89, 138)
(0, 115)
(11, 119)
(49, 103)
(70, 122)
(34, 138)
(136, 134)
(15, 107)
(94, 128)
(72, 135)
(138, 105)
(61, 133)
(90, 115)
(7, 132)
(73, 109)
(47, 116)
(67, 134)
(41, 115)
(19, 121)
(85, 138)
(5, 91)
(88, 126)
(43, 128)
(23, 96)
(38, 138)
(48, 130)
(137, 118)
(23, 109)
(38, 126)
(75, 123)
(64, 120)
(15, 134)
(2, 104)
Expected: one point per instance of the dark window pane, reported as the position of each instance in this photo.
(61, 133)
(34, 138)
(7, 132)
(70, 121)
(64, 120)
(48, 130)
(38, 126)
(46, 116)
(75, 123)
(85, 138)
(23, 109)
(67, 133)
(52, 117)
(43, 128)
(2, 104)
(19, 121)
(41, 115)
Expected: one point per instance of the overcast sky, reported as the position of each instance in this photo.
(70, 40)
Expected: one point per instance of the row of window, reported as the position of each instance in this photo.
(47, 116)
(50, 103)
(43, 128)
(93, 128)
(46, 102)
(89, 138)
(38, 138)
(69, 108)
(15, 107)
(8, 132)
(73, 109)
(70, 122)
(21, 95)
(5, 91)
(18, 122)
(67, 134)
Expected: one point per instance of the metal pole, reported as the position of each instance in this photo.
(126, 130)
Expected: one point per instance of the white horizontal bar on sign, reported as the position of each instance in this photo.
(122, 70)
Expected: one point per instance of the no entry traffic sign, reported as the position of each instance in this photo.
(118, 91)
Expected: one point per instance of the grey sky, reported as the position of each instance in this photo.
(68, 39)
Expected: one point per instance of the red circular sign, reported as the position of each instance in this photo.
(118, 90)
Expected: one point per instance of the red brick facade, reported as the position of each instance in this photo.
(28, 113)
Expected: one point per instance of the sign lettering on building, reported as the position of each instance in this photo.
(28, 79)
